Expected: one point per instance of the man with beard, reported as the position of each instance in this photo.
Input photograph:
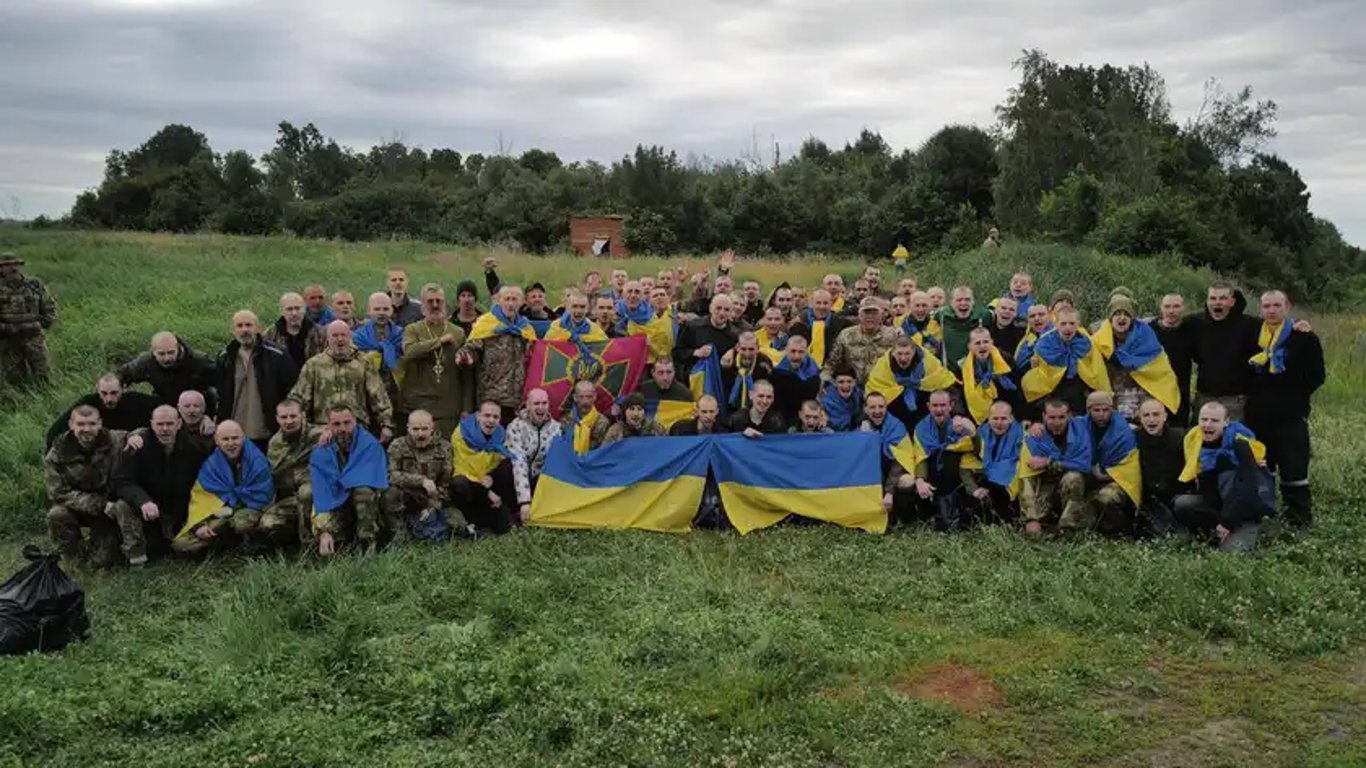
(1286, 372)
(171, 367)
(154, 481)
(429, 373)
(859, 348)
(254, 376)
(906, 376)
(796, 379)
(1114, 485)
(420, 470)
(582, 422)
(406, 311)
(342, 376)
(119, 408)
(536, 308)
(233, 487)
(289, 516)
(295, 332)
(1234, 490)
(819, 324)
(634, 313)
(634, 422)
(79, 472)
(1057, 457)
(873, 277)
(344, 309)
(347, 473)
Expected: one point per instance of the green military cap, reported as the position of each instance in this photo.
(10, 259)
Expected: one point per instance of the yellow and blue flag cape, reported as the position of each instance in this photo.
(1272, 339)
(928, 375)
(662, 333)
(581, 434)
(980, 382)
(1143, 357)
(1025, 303)
(842, 414)
(807, 370)
(367, 466)
(834, 478)
(738, 396)
(816, 347)
(836, 305)
(1055, 360)
(897, 444)
(772, 348)
(999, 456)
(565, 329)
(705, 379)
(1117, 455)
(669, 410)
(928, 334)
(474, 455)
(634, 323)
(931, 446)
(1025, 349)
(1077, 456)
(217, 487)
(495, 322)
(384, 354)
(623, 485)
(1200, 459)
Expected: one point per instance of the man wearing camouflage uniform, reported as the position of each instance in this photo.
(288, 453)
(343, 375)
(27, 311)
(501, 358)
(79, 470)
(420, 471)
(858, 348)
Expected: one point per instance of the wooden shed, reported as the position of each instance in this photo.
(598, 235)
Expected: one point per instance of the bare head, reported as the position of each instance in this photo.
(341, 420)
(1038, 319)
(1219, 300)
(1213, 421)
(919, 305)
(762, 395)
(1000, 418)
(796, 351)
(165, 424)
(290, 416)
(434, 304)
(1056, 414)
(379, 308)
(980, 343)
(963, 301)
(85, 423)
(398, 283)
(343, 305)
(1275, 306)
(875, 406)
(941, 405)
(316, 297)
(1021, 284)
(585, 395)
(165, 348)
(292, 309)
(1153, 416)
(1067, 320)
(229, 438)
(421, 428)
(1007, 309)
(1173, 309)
(538, 405)
(811, 415)
(191, 407)
(937, 297)
(510, 299)
(821, 301)
(338, 337)
(707, 410)
(490, 414)
(109, 389)
(663, 373)
(246, 328)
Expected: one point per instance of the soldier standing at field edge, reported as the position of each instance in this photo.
(27, 310)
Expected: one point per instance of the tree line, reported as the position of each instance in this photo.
(1078, 154)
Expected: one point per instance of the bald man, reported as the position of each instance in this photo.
(316, 309)
(172, 367)
(154, 479)
(380, 339)
(238, 476)
(344, 308)
(193, 420)
(119, 408)
(254, 376)
(295, 331)
(343, 376)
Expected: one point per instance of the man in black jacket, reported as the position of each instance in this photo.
(1175, 335)
(701, 337)
(254, 375)
(120, 409)
(1161, 457)
(1223, 338)
(1234, 491)
(172, 367)
(1286, 371)
(156, 472)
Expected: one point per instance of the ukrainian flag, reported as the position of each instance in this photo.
(565, 329)
(668, 412)
(897, 444)
(1117, 455)
(662, 333)
(1143, 357)
(929, 375)
(218, 487)
(980, 383)
(834, 478)
(705, 379)
(654, 484)
(1200, 459)
(1055, 359)
(495, 322)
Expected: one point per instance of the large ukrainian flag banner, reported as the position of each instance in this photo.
(653, 484)
(835, 478)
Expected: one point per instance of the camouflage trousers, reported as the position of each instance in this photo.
(403, 507)
(1065, 498)
(287, 519)
(227, 532)
(361, 519)
(24, 359)
(65, 525)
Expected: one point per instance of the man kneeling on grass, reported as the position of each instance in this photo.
(1235, 490)
(484, 486)
(420, 482)
(348, 471)
(234, 486)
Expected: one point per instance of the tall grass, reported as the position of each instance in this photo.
(792, 647)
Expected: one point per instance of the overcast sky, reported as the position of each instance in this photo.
(592, 78)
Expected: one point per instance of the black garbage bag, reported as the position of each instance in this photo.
(41, 608)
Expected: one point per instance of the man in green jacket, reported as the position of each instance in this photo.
(958, 319)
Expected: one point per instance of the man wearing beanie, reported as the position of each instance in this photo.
(1134, 359)
(633, 422)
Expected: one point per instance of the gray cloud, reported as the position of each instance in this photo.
(592, 78)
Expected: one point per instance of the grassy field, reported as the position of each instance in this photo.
(800, 647)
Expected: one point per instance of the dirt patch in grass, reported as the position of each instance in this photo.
(1226, 741)
(963, 688)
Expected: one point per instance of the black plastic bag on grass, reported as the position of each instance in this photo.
(41, 608)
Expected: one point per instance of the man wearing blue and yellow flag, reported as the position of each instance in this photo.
(820, 324)
(796, 379)
(1066, 365)
(987, 377)
(992, 481)
(233, 488)
(941, 441)
(667, 400)
(380, 340)
(1286, 371)
(906, 376)
(663, 326)
(1053, 467)
(1115, 484)
(348, 472)
(573, 324)
(1135, 361)
(921, 325)
(484, 486)
(498, 341)
(1234, 489)
(741, 367)
(582, 421)
(898, 457)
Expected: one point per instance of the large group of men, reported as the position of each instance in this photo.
(332, 428)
